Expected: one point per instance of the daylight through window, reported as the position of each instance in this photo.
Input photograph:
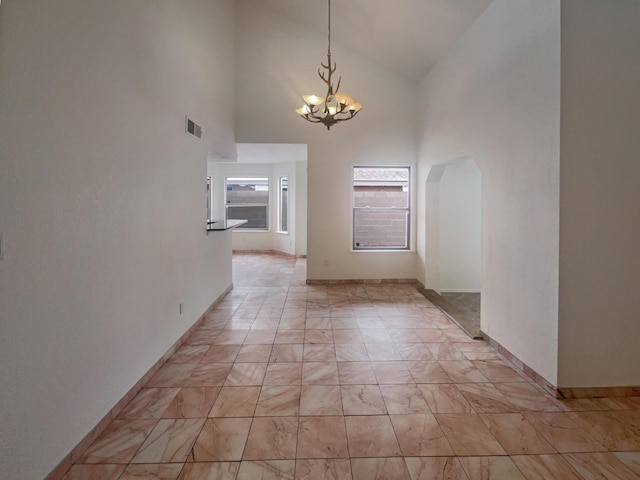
(381, 208)
(248, 199)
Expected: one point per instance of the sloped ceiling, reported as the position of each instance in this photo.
(405, 36)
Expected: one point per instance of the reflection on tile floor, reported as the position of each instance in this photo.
(289, 381)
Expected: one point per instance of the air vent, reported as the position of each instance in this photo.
(193, 128)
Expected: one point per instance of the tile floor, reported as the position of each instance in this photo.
(288, 381)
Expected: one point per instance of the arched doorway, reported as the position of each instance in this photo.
(453, 240)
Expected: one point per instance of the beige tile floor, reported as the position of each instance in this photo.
(288, 381)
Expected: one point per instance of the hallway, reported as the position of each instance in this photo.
(288, 381)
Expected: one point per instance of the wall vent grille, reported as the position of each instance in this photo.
(193, 128)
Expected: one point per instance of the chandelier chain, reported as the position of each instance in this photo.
(329, 29)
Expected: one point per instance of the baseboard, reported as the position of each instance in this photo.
(565, 393)
(76, 453)
(364, 281)
(268, 252)
(522, 367)
(597, 392)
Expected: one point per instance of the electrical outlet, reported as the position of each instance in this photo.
(326, 263)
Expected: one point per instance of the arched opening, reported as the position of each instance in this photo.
(453, 240)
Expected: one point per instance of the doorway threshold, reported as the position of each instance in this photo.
(466, 320)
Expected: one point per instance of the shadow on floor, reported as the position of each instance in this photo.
(462, 308)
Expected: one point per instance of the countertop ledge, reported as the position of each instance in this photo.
(221, 225)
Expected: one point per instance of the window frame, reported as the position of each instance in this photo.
(408, 238)
(280, 217)
(247, 179)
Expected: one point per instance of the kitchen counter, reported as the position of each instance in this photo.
(222, 225)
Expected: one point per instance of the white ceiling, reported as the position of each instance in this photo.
(405, 36)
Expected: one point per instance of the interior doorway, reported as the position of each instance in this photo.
(454, 241)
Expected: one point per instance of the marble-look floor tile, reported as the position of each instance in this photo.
(383, 352)
(278, 401)
(220, 440)
(235, 402)
(287, 353)
(326, 469)
(318, 336)
(356, 373)
(322, 437)
(516, 435)
(491, 468)
(267, 470)
(498, 371)
(347, 336)
(463, 371)
(631, 460)
(320, 373)
(616, 430)
(320, 400)
(362, 400)
(562, 432)
(192, 402)
(403, 399)
(414, 352)
(149, 403)
(319, 353)
(420, 435)
(170, 441)
(446, 351)
(545, 467)
(595, 466)
(210, 471)
(526, 396)
(189, 354)
(283, 374)
(91, 472)
(427, 372)
(289, 336)
(246, 374)
(371, 436)
(260, 337)
(272, 438)
(431, 335)
(119, 442)
(172, 375)
(351, 352)
(254, 353)
(392, 373)
(436, 468)
(379, 469)
(222, 354)
(468, 435)
(153, 471)
(444, 398)
(485, 398)
(209, 375)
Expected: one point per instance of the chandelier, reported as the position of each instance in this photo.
(335, 107)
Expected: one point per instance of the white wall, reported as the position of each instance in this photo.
(496, 98)
(102, 205)
(379, 135)
(271, 239)
(460, 227)
(600, 197)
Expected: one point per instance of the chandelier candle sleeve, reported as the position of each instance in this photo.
(335, 107)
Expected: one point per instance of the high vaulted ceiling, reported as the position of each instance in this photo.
(405, 36)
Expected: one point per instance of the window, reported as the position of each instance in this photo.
(248, 199)
(283, 204)
(381, 208)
